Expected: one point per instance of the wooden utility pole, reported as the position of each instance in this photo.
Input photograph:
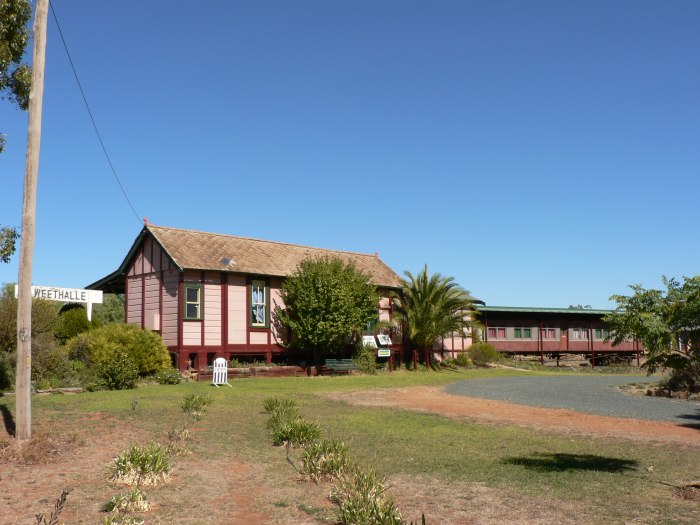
(31, 175)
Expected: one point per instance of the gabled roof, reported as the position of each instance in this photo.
(196, 250)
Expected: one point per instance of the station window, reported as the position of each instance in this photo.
(497, 332)
(259, 304)
(549, 333)
(579, 333)
(193, 302)
(601, 333)
(522, 333)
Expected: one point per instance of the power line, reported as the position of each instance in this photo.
(87, 106)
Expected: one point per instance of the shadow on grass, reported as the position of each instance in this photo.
(8, 420)
(567, 462)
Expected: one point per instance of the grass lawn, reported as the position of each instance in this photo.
(454, 471)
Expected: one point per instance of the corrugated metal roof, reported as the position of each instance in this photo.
(527, 309)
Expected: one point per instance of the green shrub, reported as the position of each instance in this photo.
(145, 348)
(72, 320)
(8, 366)
(53, 368)
(365, 359)
(361, 500)
(168, 376)
(464, 360)
(483, 353)
(177, 441)
(325, 460)
(141, 466)
(196, 405)
(117, 371)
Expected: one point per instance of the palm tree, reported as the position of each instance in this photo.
(430, 307)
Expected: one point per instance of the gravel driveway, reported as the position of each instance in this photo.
(590, 394)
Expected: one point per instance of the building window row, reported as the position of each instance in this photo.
(259, 303)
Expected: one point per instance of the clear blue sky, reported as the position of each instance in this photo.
(544, 153)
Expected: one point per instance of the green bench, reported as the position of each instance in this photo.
(339, 366)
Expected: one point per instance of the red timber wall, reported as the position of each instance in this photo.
(550, 333)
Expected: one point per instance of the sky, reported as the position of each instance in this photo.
(542, 153)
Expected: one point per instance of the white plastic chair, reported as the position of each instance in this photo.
(220, 376)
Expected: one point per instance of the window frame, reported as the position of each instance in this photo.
(252, 284)
(200, 301)
(519, 332)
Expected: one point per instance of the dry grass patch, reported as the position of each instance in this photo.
(40, 449)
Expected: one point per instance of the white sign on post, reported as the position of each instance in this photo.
(67, 295)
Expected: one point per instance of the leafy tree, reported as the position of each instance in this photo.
(8, 241)
(110, 311)
(15, 77)
(327, 302)
(15, 81)
(72, 320)
(44, 316)
(666, 322)
(431, 307)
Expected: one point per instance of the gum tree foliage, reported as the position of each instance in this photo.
(430, 307)
(327, 302)
(15, 81)
(666, 322)
(8, 241)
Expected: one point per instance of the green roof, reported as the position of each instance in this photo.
(527, 309)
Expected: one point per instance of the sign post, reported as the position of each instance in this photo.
(67, 295)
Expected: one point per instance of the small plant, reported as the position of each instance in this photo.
(141, 466)
(295, 433)
(325, 460)
(168, 376)
(132, 501)
(196, 405)
(484, 353)
(272, 404)
(177, 441)
(57, 509)
(361, 500)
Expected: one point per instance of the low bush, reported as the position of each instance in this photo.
(286, 425)
(483, 353)
(117, 371)
(361, 500)
(463, 360)
(365, 359)
(196, 405)
(145, 348)
(141, 466)
(177, 441)
(168, 376)
(325, 460)
(72, 320)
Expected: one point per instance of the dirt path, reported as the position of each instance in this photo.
(435, 400)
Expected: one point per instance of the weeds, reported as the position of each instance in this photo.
(141, 466)
(196, 405)
(325, 460)
(177, 441)
(132, 501)
(361, 500)
(57, 509)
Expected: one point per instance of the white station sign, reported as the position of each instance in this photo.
(67, 295)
